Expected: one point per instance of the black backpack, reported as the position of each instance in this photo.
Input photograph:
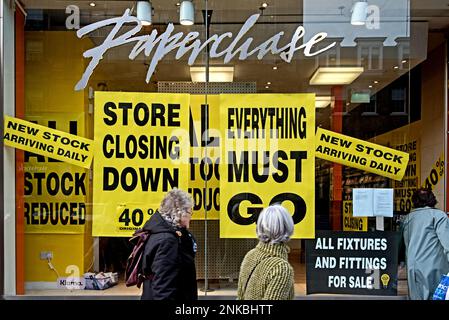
(133, 272)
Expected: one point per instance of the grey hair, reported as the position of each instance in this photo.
(175, 204)
(274, 225)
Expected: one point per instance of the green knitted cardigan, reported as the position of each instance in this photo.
(266, 274)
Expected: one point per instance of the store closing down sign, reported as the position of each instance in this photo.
(48, 142)
(360, 154)
(352, 263)
(351, 223)
(141, 152)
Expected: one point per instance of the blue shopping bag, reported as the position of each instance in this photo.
(442, 292)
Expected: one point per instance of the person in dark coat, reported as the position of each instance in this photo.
(169, 255)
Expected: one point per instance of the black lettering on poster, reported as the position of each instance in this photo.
(255, 123)
(206, 198)
(42, 182)
(143, 147)
(252, 213)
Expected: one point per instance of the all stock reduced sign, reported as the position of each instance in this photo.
(352, 263)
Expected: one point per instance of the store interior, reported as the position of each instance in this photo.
(400, 84)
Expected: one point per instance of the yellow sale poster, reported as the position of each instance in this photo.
(141, 152)
(406, 139)
(360, 154)
(48, 142)
(204, 176)
(55, 192)
(351, 223)
(268, 157)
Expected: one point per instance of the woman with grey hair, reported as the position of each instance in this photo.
(169, 256)
(265, 273)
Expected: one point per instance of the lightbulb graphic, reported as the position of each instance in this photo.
(385, 278)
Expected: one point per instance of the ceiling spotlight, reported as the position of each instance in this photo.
(264, 5)
(396, 67)
(178, 4)
(144, 12)
(376, 82)
(268, 82)
(359, 13)
(275, 68)
(92, 4)
(370, 86)
(187, 13)
(267, 87)
(404, 61)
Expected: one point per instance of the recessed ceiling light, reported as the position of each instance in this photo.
(264, 5)
(335, 75)
(178, 4)
(268, 82)
(376, 82)
(322, 101)
(404, 61)
(370, 86)
(275, 68)
(347, 103)
(216, 73)
(267, 87)
(92, 4)
(396, 67)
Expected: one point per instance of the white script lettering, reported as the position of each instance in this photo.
(166, 42)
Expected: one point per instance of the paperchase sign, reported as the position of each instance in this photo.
(352, 263)
(160, 45)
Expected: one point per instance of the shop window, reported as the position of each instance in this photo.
(399, 101)
(370, 56)
(331, 57)
(370, 109)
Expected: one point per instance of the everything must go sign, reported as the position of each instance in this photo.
(362, 263)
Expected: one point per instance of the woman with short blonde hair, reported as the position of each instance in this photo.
(265, 273)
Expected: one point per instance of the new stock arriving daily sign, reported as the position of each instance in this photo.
(360, 154)
(48, 142)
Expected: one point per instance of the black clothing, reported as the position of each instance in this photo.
(169, 259)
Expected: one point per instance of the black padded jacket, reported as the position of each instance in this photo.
(169, 260)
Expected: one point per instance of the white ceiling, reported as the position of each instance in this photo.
(436, 12)
(123, 74)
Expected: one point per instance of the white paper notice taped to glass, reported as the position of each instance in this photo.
(368, 202)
